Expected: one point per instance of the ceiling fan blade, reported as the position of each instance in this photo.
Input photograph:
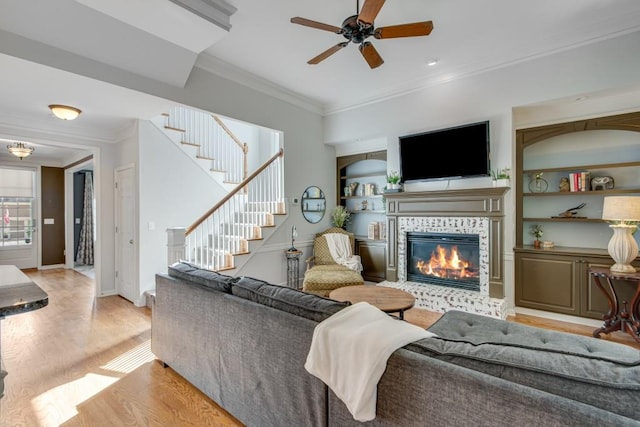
(404, 30)
(371, 55)
(315, 24)
(327, 53)
(369, 11)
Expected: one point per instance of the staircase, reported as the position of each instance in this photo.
(224, 237)
(209, 142)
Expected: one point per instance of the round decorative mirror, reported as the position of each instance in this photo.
(313, 204)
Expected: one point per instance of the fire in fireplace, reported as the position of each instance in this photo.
(444, 259)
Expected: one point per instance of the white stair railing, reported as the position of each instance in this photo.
(225, 230)
(214, 140)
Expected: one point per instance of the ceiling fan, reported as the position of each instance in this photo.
(359, 27)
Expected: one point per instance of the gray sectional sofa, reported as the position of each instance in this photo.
(244, 342)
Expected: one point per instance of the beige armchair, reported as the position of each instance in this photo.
(323, 274)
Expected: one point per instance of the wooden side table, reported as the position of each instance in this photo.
(389, 300)
(293, 268)
(619, 318)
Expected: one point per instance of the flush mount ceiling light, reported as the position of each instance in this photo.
(431, 62)
(64, 112)
(20, 149)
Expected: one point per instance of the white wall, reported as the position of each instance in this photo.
(173, 192)
(595, 69)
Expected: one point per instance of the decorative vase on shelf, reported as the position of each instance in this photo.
(501, 182)
(536, 244)
(538, 184)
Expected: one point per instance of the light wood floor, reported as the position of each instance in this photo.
(85, 361)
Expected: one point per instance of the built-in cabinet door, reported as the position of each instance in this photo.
(549, 284)
(562, 284)
(372, 254)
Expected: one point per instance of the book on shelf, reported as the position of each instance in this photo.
(374, 231)
(377, 230)
(579, 181)
(382, 227)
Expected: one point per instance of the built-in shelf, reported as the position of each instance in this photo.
(594, 220)
(596, 166)
(364, 175)
(557, 279)
(584, 193)
(369, 171)
(369, 211)
(375, 196)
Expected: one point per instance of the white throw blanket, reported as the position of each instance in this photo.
(349, 353)
(340, 249)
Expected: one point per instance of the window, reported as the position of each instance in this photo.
(16, 206)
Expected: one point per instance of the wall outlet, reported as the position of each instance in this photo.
(295, 200)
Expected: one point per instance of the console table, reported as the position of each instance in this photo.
(18, 294)
(625, 318)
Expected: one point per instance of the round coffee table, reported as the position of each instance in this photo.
(389, 300)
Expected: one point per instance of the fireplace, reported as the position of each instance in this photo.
(471, 220)
(444, 259)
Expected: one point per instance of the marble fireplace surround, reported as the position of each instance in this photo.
(473, 211)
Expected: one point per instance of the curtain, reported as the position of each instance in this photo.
(85, 244)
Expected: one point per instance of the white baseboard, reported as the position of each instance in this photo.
(51, 267)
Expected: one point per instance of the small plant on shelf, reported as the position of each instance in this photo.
(393, 180)
(340, 216)
(536, 231)
(504, 173)
(393, 177)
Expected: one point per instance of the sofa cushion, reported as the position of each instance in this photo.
(589, 370)
(286, 299)
(210, 279)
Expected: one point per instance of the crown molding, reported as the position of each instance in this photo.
(217, 12)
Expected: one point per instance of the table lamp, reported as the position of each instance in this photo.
(623, 215)
(294, 234)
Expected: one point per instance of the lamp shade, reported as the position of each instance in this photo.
(64, 112)
(621, 208)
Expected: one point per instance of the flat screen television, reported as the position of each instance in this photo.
(451, 153)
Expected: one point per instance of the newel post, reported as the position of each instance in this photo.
(175, 244)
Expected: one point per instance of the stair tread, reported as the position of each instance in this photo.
(176, 129)
(189, 143)
(241, 253)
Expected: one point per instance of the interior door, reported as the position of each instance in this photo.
(18, 217)
(126, 234)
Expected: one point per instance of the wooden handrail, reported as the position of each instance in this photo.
(232, 193)
(231, 135)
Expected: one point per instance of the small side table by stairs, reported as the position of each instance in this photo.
(293, 268)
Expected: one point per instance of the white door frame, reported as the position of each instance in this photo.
(118, 235)
(68, 215)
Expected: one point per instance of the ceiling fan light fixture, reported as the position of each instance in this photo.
(64, 112)
(20, 149)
